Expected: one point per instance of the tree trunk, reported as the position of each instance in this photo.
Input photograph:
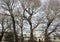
(46, 36)
(1, 36)
(22, 39)
(14, 28)
(47, 39)
(31, 35)
(2, 33)
(31, 31)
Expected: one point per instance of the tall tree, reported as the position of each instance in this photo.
(30, 22)
(2, 33)
(30, 12)
(9, 4)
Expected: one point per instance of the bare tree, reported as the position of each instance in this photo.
(2, 33)
(51, 7)
(3, 28)
(27, 4)
(10, 9)
(30, 23)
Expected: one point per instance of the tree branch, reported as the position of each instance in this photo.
(50, 21)
(36, 26)
(7, 26)
(46, 30)
(5, 14)
(53, 30)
